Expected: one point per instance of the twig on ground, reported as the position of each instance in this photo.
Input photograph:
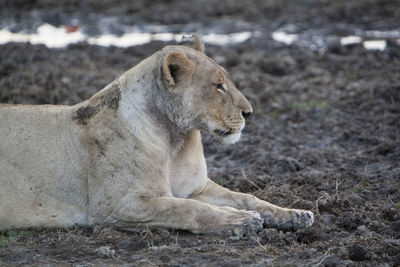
(365, 171)
(326, 254)
(247, 179)
(258, 242)
(176, 239)
(338, 182)
(149, 231)
(316, 205)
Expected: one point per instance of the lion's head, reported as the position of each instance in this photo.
(206, 96)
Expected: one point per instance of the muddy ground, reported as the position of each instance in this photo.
(325, 135)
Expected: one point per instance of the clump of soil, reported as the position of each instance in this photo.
(325, 136)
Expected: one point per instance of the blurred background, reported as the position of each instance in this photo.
(314, 26)
(323, 77)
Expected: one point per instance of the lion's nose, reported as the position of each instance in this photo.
(246, 115)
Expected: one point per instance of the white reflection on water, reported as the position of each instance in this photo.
(46, 34)
(375, 45)
(54, 37)
(59, 37)
(370, 40)
(283, 37)
(349, 40)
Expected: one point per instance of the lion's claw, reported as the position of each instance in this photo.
(251, 223)
(290, 220)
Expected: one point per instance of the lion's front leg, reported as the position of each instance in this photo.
(186, 214)
(273, 215)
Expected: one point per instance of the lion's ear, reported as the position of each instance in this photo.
(193, 41)
(176, 68)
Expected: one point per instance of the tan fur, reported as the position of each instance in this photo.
(132, 154)
(194, 42)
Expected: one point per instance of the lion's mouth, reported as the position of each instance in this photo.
(223, 133)
(228, 135)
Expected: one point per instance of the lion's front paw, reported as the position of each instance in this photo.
(289, 219)
(302, 219)
(243, 224)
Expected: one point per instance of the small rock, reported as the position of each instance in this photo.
(361, 230)
(323, 202)
(390, 214)
(105, 252)
(349, 222)
(308, 235)
(331, 262)
(159, 248)
(269, 235)
(396, 226)
(357, 253)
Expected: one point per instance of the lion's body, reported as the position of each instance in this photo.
(52, 155)
(40, 168)
(128, 156)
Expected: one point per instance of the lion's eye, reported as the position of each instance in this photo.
(220, 86)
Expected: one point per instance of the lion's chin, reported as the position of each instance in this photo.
(232, 138)
(228, 136)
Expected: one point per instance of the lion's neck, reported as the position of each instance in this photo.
(175, 133)
(148, 113)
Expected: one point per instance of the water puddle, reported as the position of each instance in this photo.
(369, 45)
(46, 34)
(350, 40)
(370, 40)
(315, 39)
(59, 37)
(375, 45)
(285, 38)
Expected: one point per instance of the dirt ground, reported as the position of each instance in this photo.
(325, 135)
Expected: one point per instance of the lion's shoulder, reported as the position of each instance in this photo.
(108, 97)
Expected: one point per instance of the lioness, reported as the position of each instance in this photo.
(132, 154)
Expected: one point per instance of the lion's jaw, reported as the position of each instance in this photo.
(225, 131)
(232, 138)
